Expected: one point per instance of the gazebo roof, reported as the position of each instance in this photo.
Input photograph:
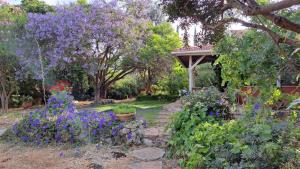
(196, 52)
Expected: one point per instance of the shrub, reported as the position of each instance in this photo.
(199, 140)
(252, 142)
(123, 89)
(60, 122)
(210, 100)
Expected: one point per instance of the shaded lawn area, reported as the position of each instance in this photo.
(147, 110)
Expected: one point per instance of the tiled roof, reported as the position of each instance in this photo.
(195, 48)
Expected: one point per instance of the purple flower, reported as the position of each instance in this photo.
(94, 132)
(211, 113)
(25, 138)
(129, 136)
(35, 123)
(112, 116)
(101, 123)
(61, 154)
(256, 106)
(114, 131)
(217, 114)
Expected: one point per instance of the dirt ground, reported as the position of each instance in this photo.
(87, 157)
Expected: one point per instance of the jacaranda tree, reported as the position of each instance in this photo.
(103, 37)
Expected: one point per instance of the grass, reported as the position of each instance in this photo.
(147, 109)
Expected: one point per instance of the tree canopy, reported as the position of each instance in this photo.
(213, 15)
(104, 39)
(155, 57)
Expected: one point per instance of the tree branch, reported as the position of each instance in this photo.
(275, 7)
(283, 22)
(276, 37)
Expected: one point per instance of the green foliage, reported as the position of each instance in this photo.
(82, 2)
(175, 81)
(208, 101)
(124, 109)
(158, 97)
(36, 6)
(205, 75)
(26, 99)
(159, 45)
(251, 142)
(253, 60)
(205, 106)
(124, 88)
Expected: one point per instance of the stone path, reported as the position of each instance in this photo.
(2, 131)
(151, 156)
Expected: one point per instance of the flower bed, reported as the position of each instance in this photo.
(61, 122)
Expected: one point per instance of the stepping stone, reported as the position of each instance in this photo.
(148, 142)
(2, 131)
(151, 133)
(148, 153)
(147, 165)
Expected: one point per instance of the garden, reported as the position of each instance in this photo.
(150, 84)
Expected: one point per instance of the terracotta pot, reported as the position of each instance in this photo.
(125, 117)
(26, 105)
(248, 90)
(290, 89)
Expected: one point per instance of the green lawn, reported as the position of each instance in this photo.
(148, 109)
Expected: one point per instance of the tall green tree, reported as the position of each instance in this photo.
(155, 57)
(11, 19)
(35, 6)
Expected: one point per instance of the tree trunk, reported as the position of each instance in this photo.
(100, 93)
(218, 72)
(148, 83)
(4, 103)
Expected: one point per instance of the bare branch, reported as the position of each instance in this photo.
(276, 37)
(283, 22)
(276, 6)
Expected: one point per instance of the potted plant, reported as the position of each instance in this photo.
(26, 102)
(124, 112)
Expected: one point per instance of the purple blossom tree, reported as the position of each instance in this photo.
(103, 37)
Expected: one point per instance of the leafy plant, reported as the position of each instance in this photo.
(254, 141)
(124, 109)
(210, 100)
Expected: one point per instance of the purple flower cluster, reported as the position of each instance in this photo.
(60, 122)
(215, 114)
(72, 32)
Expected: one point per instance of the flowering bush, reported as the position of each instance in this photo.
(61, 85)
(62, 123)
(208, 101)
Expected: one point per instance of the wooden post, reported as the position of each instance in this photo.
(190, 74)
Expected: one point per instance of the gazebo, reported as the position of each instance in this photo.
(190, 57)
